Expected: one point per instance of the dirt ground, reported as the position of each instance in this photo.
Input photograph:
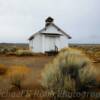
(36, 63)
(30, 61)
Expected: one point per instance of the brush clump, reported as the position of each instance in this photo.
(71, 71)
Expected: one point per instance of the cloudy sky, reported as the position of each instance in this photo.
(21, 18)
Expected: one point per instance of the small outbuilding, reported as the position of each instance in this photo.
(50, 38)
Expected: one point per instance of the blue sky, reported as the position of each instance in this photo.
(21, 18)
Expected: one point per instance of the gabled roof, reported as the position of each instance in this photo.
(62, 31)
(45, 28)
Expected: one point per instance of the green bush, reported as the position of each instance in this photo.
(71, 71)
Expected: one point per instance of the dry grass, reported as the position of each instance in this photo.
(18, 70)
(15, 75)
(3, 69)
(71, 71)
(26, 68)
(23, 53)
(92, 51)
(36, 64)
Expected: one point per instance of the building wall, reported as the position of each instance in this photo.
(30, 44)
(49, 43)
(63, 42)
(36, 43)
(42, 43)
(51, 29)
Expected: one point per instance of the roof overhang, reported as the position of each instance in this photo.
(67, 35)
(30, 38)
(53, 34)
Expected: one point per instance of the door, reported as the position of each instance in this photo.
(50, 43)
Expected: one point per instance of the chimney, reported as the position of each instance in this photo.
(48, 21)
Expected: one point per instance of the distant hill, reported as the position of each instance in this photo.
(17, 45)
(76, 44)
(25, 45)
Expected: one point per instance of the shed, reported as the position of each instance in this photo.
(50, 38)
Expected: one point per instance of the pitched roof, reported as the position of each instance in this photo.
(44, 29)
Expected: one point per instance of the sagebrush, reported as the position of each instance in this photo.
(70, 71)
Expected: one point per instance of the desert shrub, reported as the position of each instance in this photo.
(3, 51)
(27, 53)
(97, 54)
(10, 54)
(3, 69)
(8, 50)
(16, 80)
(24, 53)
(70, 71)
(12, 49)
(17, 75)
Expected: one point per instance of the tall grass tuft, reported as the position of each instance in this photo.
(71, 71)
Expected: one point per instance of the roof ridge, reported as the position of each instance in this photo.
(59, 29)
